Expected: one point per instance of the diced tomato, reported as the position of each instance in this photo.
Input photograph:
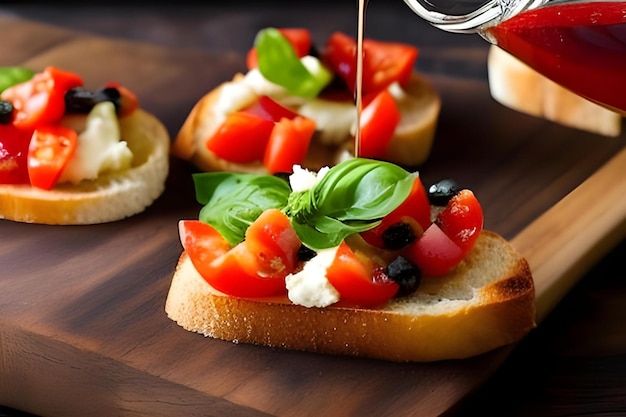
(49, 151)
(266, 131)
(200, 240)
(288, 144)
(383, 62)
(242, 138)
(269, 109)
(13, 154)
(238, 273)
(450, 238)
(274, 241)
(434, 252)
(416, 208)
(339, 54)
(129, 102)
(41, 100)
(389, 62)
(203, 243)
(256, 267)
(462, 219)
(299, 38)
(379, 120)
(359, 280)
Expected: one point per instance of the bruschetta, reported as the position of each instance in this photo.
(69, 155)
(296, 104)
(359, 259)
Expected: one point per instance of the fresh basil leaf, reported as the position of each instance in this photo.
(329, 232)
(278, 63)
(232, 201)
(352, 197)
(10, 76)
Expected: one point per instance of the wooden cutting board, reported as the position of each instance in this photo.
(82, 323)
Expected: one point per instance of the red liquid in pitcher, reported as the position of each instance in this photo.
(581, 46)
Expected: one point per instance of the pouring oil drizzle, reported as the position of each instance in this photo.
(359, 74)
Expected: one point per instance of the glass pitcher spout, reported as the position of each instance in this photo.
(469, 16)
(579, 44)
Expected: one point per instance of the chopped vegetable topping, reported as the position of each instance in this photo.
(352, 197)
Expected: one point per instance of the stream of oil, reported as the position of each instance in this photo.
(359, 74)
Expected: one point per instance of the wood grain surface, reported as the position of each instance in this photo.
(82, 326)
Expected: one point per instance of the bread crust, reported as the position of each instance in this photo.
(410, 145)
(485, 303)
(112, 196)
(519, 87)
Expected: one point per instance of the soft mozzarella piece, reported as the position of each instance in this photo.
(233, 97)
(100, 147)
(261, 86)
(334, 120)
(310, 287)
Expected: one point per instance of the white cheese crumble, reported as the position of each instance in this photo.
(302, 179)
(396, 91)
(99, 147)
(310, 287)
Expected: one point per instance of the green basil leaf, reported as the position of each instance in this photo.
(10, 76)
(329, 232)
(232, 201)
(278, 63)
(352, 197)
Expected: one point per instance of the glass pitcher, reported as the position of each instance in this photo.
(580, 44)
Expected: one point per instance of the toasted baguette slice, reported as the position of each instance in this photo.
(487, 302)
(419, 104)
(519, 87)
(111, 196)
